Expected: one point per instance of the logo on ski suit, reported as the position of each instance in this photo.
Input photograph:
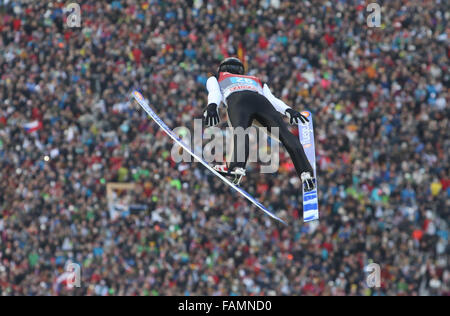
(230, 83)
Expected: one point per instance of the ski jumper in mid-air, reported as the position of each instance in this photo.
(249, 101)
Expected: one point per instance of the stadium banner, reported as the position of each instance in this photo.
(119, 196)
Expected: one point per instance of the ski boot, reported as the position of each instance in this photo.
(236, 175)
(309, 182)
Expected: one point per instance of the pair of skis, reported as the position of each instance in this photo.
(311, 212)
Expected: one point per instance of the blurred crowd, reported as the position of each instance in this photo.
(380, 100)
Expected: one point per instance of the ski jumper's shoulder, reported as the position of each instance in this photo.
(212, 81)
(214, 91)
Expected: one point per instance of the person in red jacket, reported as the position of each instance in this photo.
(248, 100)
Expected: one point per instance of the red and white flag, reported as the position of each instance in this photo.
(32, 127)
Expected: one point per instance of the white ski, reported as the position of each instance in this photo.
(310, 199)
(144, 104)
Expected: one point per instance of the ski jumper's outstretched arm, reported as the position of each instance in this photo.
(294, 116)
(278, 104)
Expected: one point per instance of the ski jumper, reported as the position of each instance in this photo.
(247, 101)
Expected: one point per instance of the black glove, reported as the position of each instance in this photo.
(211, 115)
(296, 117)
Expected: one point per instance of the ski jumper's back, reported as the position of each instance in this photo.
(231, 83)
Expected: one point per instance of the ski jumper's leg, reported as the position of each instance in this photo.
(270, 118)
(240, 114)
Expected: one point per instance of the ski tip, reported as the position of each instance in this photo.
(137, 95)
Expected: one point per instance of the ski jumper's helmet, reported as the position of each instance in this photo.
(232, 65)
